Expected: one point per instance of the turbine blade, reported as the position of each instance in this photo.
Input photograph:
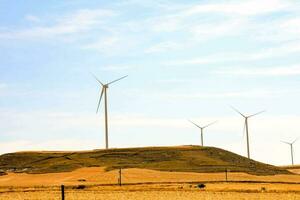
(117, 80)
(97, 79)
(237, 111)
(210, 124)
(286, 142)
(295, 140)
(257, 113)
(195, 124)
(100, 100)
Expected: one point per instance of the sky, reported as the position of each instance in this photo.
(184, 60)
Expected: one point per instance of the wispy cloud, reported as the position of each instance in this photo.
(32, 18)
(242, 8)
(80, 21)
(263, 71)
(162, 47)
(252, 94)
(117, 67)
(267, 53)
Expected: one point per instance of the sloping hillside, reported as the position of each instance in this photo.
(180, 159)
(292, 168)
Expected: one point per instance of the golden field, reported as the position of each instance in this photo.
(147, 184)
(97, 175)
(155, 195)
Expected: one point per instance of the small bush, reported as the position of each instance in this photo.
(79, 187)
(81, 180)
(201, 186)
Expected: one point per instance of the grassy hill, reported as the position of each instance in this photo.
(179, 159)
(292, 168)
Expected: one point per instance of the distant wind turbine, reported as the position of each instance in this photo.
(202, 128)
(104, 91)
(292, 150)
(246, 127)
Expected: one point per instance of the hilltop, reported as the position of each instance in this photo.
(179, 159)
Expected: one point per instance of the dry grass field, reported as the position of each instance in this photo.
(156, 195)
(147, 184)
(147, 173)
(159, 191)
(98, 175)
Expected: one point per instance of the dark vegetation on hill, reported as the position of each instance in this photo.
(179, 159)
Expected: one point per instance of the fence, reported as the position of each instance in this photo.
(120, 183)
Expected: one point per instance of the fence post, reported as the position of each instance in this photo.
(62, 192)
(226, 171)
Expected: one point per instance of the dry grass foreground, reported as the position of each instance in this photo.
(146, 195)
(146, 184)
(213, 191)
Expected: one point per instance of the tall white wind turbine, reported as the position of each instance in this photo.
(292, 149)
(104, 91)
(202, 129)
(246, 127)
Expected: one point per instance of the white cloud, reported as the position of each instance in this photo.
(267, 53)
(191, 61)
(291, 25)
(243, 8)
(109, 45)
(118, 43)
(196, 24)
(32, 18)
(217, 29)
(221, 95)
(117, 67)
(162, 47)
(80, 21)
(263, 71)
(278, 30)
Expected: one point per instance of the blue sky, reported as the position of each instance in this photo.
(185, 60)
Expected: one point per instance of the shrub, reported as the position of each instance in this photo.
(79, 187)
(201, 185)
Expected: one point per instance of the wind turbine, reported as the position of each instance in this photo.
(104, 91)
(202, 128)
(292, 150)
(246, 127)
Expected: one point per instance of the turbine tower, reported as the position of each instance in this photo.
(202, 128)
(246, 127)
(104, 91)
(292, 150)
